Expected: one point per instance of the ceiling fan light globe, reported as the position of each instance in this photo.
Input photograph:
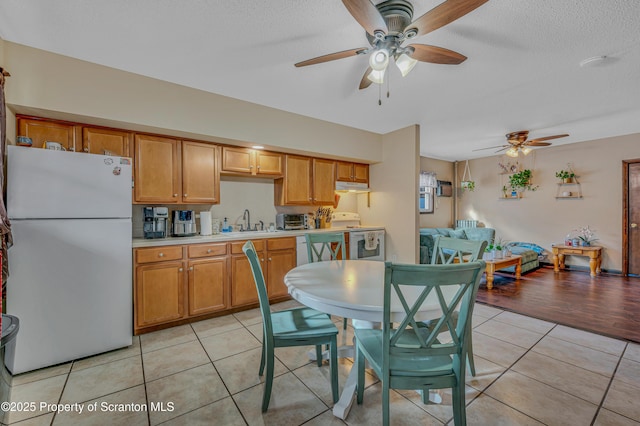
(376, 76)
(511, 152)
(405, 64)
(526, 150)
(379, 60)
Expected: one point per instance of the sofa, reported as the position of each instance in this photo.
(530, 252)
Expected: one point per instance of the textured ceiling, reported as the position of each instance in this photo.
(522, 73)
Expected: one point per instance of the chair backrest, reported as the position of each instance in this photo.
(318, 243)
(450, 250)
(451, 287)
(258, 277)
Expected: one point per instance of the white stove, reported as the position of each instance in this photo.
(363, 244)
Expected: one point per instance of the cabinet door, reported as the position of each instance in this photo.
(200, 173)
(297, 186)
(106, 141)
(208, 285)
(279, 262)
(159, 293)
(243, 287)
(237, 160)
(41, 131)
(157, 176)
(361, 173)
(268, 163)
(344, 171)
(324, 184)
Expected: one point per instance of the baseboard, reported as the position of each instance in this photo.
(583, 268)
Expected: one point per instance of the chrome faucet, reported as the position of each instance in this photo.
(246, 216)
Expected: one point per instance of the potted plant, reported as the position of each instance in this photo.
(586, 235)
(565, 176)
(499, 248)
(468, 184)
(521, 181)
(488, 253)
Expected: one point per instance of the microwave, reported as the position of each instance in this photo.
(291, 222)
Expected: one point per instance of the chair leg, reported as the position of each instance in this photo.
(385, 404)
(472, 365)
(264, 348)
(425, 396)
(319, 355)
(333, 364)
(268, 384)
(459, 409)
(359, 358)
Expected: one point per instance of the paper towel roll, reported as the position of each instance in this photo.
(205, 223)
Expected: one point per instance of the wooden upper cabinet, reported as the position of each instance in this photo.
(157, 174)
(307, 181)
(324, 183)
(200, 173)
(295, 187)
(41, 131)
(96, 140)
(352, 172)
(251, 162)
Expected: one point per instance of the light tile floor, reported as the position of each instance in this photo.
(529, 372)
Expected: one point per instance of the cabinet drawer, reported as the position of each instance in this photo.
(236, 246)
(206, 250)
(281, 243)
(158, 254)
(571, 251)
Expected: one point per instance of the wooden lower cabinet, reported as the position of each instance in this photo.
(175, 284)
(208, 285)
(159, 293)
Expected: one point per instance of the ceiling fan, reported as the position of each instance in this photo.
(517, 142)
(388, 25)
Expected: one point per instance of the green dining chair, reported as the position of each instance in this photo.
(291, 327)
(450, 250)
(407, 356)
(326, 242)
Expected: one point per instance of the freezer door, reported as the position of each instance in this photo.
(43, 183)
(71, 288)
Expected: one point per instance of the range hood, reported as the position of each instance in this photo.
(352, 187)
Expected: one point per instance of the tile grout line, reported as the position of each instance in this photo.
(606, 392)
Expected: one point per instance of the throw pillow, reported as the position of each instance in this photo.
(458, 233)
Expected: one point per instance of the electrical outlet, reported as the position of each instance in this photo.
(394, 258)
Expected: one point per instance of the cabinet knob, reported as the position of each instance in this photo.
(180, 269)
(269, 259)
(160, 254)
(184, 195)
(191, 268)
(209, 251)
(262, 260)
(175, 195)
(258, 166)
(86, 149)
(634, 225)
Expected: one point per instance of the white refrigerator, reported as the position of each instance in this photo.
(70, 276)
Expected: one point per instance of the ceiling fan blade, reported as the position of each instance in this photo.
(436, 55)
(444, 14)
(365, 82)
(491, 147)
(547, 138)
(532, 143)
(367, 15)
(330, 57)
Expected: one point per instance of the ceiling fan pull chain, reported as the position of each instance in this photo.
(388, 84)
(379, 94)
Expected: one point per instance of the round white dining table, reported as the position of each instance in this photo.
(354, 289)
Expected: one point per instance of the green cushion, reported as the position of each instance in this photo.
(426, 248)
(458, 233)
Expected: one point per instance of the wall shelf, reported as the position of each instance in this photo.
(569, 190)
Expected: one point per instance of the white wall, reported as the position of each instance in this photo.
(541, 218)
(56, 86)
(394, 201)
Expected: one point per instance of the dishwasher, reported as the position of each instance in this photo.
(301, 251)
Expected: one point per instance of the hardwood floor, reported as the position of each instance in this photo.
(607, 304)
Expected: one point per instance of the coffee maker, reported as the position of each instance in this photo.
(155, 222)
(183, 223)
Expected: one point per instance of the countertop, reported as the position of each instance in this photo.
(234, 236)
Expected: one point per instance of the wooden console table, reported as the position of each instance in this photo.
(594, 253)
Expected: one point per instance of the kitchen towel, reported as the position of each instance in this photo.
(370, 241)
(205, 223)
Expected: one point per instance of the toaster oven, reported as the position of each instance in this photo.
(291, 222)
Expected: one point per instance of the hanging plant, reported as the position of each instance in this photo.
(466, 182)
(521, 181)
